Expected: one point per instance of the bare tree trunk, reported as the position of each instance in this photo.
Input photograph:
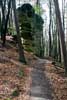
(6, 23)
(63, 13)
(59, 48)
(50, 28)
(61, 32)
(20, 46)
(3, 16)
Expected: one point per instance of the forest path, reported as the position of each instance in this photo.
(40, 87)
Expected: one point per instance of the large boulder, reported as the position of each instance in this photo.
(26, 15)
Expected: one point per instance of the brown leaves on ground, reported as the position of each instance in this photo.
(14, 78)
(57, 80)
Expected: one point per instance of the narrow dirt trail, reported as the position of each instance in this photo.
(40, 88)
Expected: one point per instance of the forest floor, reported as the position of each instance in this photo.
(14, 76)
(38, 80)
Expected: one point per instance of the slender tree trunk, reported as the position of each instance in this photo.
(6, 23)
(50, 29)
(3, 16)
(63, 13)
(20, 46)
(42, 43)
(59, 48)
(58, 44)
(61, 32)
(0, 22)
